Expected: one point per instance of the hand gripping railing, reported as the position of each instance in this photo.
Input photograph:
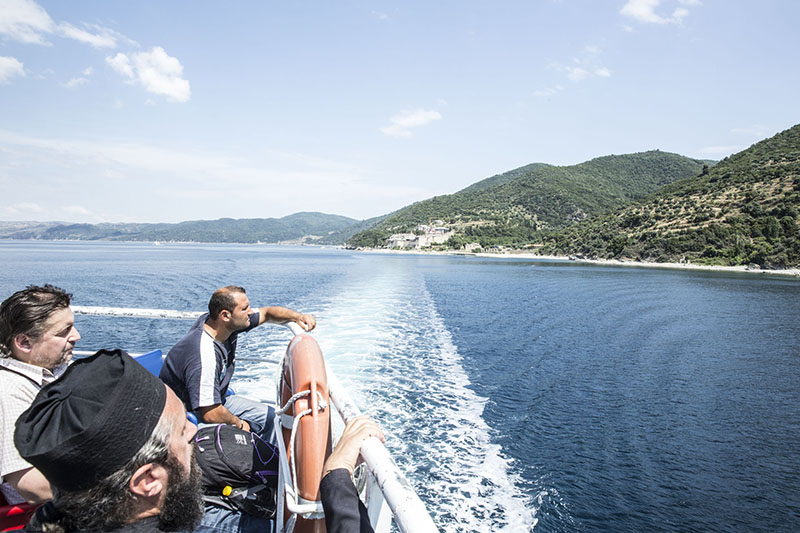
(409, 512)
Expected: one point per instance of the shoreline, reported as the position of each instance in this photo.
(789, 272)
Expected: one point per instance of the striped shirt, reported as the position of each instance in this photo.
(199, 367)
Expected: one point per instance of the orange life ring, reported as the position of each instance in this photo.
(304, 370)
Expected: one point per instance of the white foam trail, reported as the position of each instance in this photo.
(382, 335)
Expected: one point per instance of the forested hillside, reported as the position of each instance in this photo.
(296, 227)
(743, 210)
(514, 208)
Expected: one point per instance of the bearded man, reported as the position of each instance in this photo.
(200, 366)
(116, 447)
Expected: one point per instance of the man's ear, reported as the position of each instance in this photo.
(22, 342)
(225, 315)
(149, 481)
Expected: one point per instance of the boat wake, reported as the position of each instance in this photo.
(383, 337)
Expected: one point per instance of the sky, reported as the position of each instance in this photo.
(153, 111)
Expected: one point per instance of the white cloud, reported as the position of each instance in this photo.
(680, 14)
(80, 80)
(76, 82)
(585, 65)
(402, 123)
(380, 15)
(121, 64)
(23, 210)
(549, 91)
(44, 74)
(645, 11)
(10, 67)
(28, 22)
(25, 21)
(156, 71)
(576, 73)
(104, 38)
(36, 211)
(76, 210)
(591, 49)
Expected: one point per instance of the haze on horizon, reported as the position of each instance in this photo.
(169, 111)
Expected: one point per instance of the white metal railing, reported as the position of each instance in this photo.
(134, 312)
(410, 514)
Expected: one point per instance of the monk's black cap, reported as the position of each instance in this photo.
(91, 421)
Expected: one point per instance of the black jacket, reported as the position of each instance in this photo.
(344, 512)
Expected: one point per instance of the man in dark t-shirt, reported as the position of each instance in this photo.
(200, 366)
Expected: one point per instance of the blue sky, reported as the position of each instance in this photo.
(153, 111)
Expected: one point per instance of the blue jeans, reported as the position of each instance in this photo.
(260, 416)
(220, 520)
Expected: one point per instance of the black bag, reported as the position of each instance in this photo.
(240, 469)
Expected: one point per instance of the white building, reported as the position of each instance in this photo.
(401, 240)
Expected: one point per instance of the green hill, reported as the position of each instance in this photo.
(309, 227)
(743, 210)
(514, 208)
(505, 177)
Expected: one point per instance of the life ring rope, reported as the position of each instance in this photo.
(322, 405)
(293, 421)
(287, 421)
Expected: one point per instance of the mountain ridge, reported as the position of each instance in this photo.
(302, 226)
(513, 208)
(744, 210)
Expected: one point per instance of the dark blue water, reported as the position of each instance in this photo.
(518, 395)
(642, 400)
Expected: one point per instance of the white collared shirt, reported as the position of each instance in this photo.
(19, 383)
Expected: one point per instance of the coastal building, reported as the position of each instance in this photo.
(400, 240)
(424, 237)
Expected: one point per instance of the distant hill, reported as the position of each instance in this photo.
(299, 227)
(743, 210)
(341, 236)
(515, 207)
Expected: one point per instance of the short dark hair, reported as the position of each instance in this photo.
(26, 311)
(222, 300)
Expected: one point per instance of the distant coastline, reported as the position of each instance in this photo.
(788, 272)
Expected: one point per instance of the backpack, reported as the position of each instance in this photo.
(240, 469)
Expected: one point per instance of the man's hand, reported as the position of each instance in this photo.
(307, 322)
(280, 315)
(245, 424)
(345, 455)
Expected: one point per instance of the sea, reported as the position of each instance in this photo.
(517, 395)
